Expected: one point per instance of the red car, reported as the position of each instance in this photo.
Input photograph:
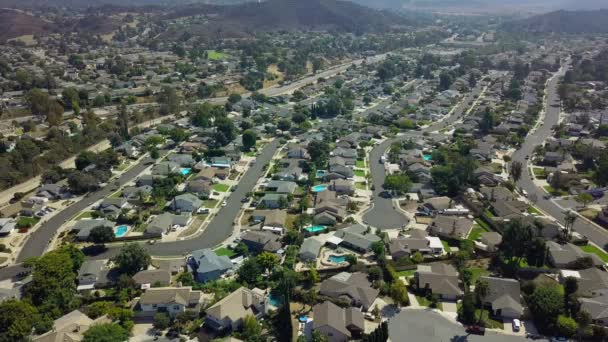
(476, 330)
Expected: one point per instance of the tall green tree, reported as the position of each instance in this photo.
(132, 258)
(108, 332)
(17, 319)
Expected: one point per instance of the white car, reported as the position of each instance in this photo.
(224, 203)
(516, 325)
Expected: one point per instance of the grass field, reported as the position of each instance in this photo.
(210, 203)
(406, 273)
(476, 232)
(446, 246)
(225, 251)
(425, 302)
(215, 55)
(483, 224)
(27, 221)
(532, 210)
(84, 215)
(359, 173)
(219, 187)
(361, 186)
(554, 192)
(594, 250)
(360, 164)
(539, 173)
(477, 272)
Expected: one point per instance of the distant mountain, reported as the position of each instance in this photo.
(15, 23)
(570, 22)
(297, 14)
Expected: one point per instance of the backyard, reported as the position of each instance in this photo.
(476, 231)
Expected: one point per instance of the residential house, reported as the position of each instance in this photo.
(310, 249)
(596, 306)
(281, 187)
(7, 225)
(355, 287)
(184, 160)
(137, 193)
(336, 323)
(451, 227)
(272, 220)
(260, 241)
(491, 241)
(165, 168)
(418, 241)
(51, 192)
(567, 255)
(441, 279)
(504, 297)
(221, 162)
(342, 186)
(30, 208)
(207, 265)
(89, 274)
(357, 237)
(486, 177)
(152, 278)
(201, 188)
(273, 201)
(70, 327)
(298, 152)
(432, 206)
(172, 300)
(590, 280)
(162, 223)
(329, 208)
(186, 203)
(112, 207)
(348, 155)
(207, 174)
(83, 228)
(228, 314)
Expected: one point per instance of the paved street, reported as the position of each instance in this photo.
(594, 233)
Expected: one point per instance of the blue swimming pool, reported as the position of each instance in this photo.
(321, 173)
(185, 171)
(275, 300)
(319, 188)
(303, 318)
(337, 259)
(427, 157)
(315, 228)
(121, 231)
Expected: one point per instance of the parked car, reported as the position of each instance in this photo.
(245, 200)
(203, 211)
(516, 325)
(224, 203)
(476, 330)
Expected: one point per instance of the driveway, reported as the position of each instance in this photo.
(450, 308)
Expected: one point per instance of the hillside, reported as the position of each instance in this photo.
(15, 23)
(570, 22)
(296, 14)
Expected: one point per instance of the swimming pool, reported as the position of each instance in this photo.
(315, 228)
(303, 318)
(275, 300)
(427, 157)
(121, 231)
(185, 171)
(321, 173)
(337, 259)
(319, 188)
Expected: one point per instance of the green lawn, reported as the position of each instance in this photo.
(361, 186)
(29, 222)
(219, 187)
(477, 272)
(539, 173)
(594, 250)
(476, 232)
(360, 173)
(84, 215)
(489, 213)
(215, 55)
(210, 203)
(360, 164)
(225, 251)
(483, 224)
(250, 154)
(122, 166)
(488, 321)
(406, 273)
(532, 210)
(425, 302)
(446, 246)
(549, 189)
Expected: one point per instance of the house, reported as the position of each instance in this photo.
(51, 192)
(172, 300)
(83, 228)
(88, 274)
(342, 186)
(451, 227)
(441, 279)
(7, 225)
(112, 207)
(355, 287)
(281, 187)
(260, 241)
(228, 314)
(207, 174)
(486, 177)
(207, 265)
(133, 193)
(298, 152)
(165, 221)
(186, 203)
(567, 255)
(553, 158)
(357, 237)
(201, 188)
(504, 297)
(329, 208)
(70, 327)
(434, 205)
(338, 171)
(596, 306)
(336, 323)
(184, 160)
(590, 280)
(152, 278)
(509, 209)
(418, 241)
(273, 201)
(30, 208)
(273, 220)
(491, 240)
(165, 168)
(310, 249)
(221, 162)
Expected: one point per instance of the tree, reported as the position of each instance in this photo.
(445, 81)
(250, 272)
(467, 312)
(16, 320)
(38, 102)
(319, 152)
(399, 183)
(546, 304)
(249, 139)
(374, 273)
(367, 100)
(378, 248)
(566, 326)
(584, 198)
(98, 309)
(399, 292)
(569, 219)
(123, 122)
(318, 337)
(516, 170)
(472, 80)
(267, 260)
(85, 159)
(132, 258)
(234, 98)
(107, 332)
(251, 328)
(482, 290)
(284, 125)
(161, 320)
(101, 235)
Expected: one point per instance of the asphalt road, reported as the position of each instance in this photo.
(383, 214)
(552, 110)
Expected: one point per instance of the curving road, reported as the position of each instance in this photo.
(552, 112)
(384, 214)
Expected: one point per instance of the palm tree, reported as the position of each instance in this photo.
(482, 290)
(569, 219)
